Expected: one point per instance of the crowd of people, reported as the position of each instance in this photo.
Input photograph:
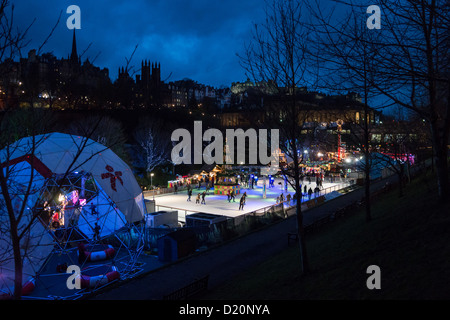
(306, 191)
(231, 196)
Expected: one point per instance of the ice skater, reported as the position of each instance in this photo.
(189, 194)
(316, 191)
(197, 201)
(288, 199)
(242, 203)
(203, 197)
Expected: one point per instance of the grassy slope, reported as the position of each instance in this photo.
(409, 239)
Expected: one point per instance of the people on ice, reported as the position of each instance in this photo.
(203, 197)
(242, 203)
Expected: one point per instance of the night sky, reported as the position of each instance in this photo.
(196, 39)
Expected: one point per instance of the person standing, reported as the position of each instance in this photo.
(203, 197)
(96, 230)
(242, 203)
(316, 191)
(310, 193)
(93, 209)
(197, 201)
(189, 194)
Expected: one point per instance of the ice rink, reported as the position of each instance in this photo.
(218, 204)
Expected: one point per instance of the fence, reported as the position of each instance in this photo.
(190, 290)
(165, 190)
(277, 209)
(182, 213)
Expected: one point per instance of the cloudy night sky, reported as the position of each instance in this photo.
(195, 39)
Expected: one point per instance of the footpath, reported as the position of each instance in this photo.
(225, 261)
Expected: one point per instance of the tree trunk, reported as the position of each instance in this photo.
(304, 262)
(367, 194)
(301, 235)
(442, 175)
(440, 155)
(400, 184)
(18, 267)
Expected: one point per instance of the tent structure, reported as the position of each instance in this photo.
(67, 191)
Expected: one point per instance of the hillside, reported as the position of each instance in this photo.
(408, 238)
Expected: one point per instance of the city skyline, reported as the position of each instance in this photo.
(188, 45)
(139, 161)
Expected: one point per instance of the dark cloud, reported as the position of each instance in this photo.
(197, 39)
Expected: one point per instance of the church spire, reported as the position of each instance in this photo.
(74, 54)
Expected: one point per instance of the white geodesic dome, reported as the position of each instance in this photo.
(71, 188)
(59, 153)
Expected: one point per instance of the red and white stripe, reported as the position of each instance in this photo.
(95, 281)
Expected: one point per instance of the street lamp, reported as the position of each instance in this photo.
(151, 182)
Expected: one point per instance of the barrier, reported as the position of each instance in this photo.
(190, 290)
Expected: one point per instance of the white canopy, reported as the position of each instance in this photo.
(58, 153)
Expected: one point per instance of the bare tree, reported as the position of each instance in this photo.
(19, 181)
(20, 186)
(154, 143)
(345, 50)
(394, 146)
(411, 59)
(276, 59)
(107, 131)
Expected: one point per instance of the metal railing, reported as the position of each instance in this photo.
(281, 207)
(190, 290)
(165, 190)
